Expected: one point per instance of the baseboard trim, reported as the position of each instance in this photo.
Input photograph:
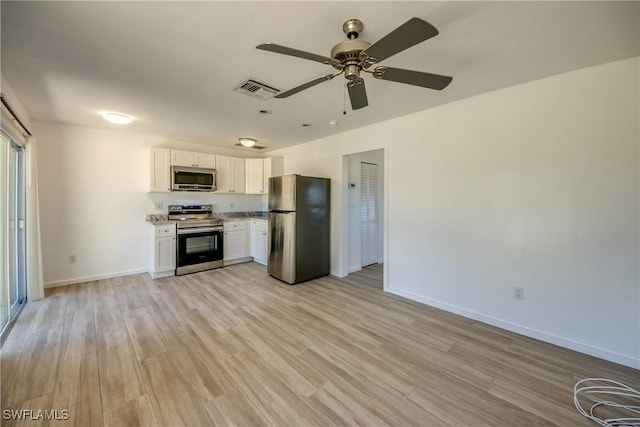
(237, 261)
(523, 330)
(56, 283)
(337, 273)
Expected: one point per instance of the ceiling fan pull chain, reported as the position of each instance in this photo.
(344, 100)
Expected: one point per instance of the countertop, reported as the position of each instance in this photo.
(163, 219)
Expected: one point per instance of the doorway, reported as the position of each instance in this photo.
(365, 216)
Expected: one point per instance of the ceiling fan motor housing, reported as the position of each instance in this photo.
(347, 57)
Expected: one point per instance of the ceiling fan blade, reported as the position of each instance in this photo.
(294, 52)
(304, 86)
(357, 94)
(416, 78)
(412, 32)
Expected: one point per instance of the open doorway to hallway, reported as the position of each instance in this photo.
(366, 212)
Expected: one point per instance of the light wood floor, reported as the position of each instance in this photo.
(235, 347)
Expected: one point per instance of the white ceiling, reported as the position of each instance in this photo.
(174, 65)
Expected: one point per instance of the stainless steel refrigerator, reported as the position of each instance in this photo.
(298, 228)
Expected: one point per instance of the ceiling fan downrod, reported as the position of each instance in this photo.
(352, 28)
(346, 54)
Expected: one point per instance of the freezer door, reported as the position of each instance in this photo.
(282, 258)
(312, 229)
(282, 193)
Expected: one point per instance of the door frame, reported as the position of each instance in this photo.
(343, 268)
(20, 250)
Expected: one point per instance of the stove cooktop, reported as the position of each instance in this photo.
(190, 216)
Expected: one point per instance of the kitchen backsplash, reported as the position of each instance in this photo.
(222, 203)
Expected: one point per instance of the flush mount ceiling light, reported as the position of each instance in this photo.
(117, 118)
(247, 142)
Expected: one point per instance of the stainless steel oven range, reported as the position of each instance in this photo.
(199, 238)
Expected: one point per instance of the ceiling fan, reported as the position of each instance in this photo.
(354, 56)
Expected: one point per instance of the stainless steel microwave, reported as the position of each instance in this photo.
(192, 179)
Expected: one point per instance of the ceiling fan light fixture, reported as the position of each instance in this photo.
(247, 142)
(116, 118)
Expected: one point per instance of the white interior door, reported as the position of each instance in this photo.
(369, 213)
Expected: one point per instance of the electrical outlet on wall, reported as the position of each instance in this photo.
(158, 206)
(518, 293)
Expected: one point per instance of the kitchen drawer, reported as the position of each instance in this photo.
(235, 225)
(165, 230)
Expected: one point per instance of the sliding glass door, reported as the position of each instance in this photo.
(12, 222)
(4, 222)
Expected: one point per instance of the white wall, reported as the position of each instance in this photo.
(375, 157)
(93, 200)
(533, 186)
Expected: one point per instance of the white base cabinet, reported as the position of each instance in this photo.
(259, 241)
(163, 251)
(236, 242)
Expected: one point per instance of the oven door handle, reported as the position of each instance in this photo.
(198, 230)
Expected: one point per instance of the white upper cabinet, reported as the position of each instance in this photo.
(191, 159)
(255, 176)
(258, 172)
(273, 166)
(230, 174)
(160, 179)
(233, 175)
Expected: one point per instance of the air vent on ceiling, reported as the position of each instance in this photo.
(255, 147)
(257, 89)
